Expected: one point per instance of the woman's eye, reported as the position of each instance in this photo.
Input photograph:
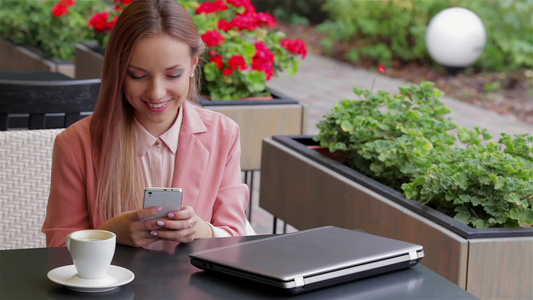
(135, 76)
(176, 75)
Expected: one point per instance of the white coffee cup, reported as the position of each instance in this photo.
(92, 252)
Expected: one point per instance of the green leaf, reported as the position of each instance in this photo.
(522, 215)
(462, 215)
(346, 126)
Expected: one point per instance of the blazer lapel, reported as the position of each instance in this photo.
(192, 156)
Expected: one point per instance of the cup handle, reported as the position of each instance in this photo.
(67, 240)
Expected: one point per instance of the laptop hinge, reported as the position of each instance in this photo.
(299, 281)
(413, 257)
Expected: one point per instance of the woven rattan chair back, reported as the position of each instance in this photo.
(25, 167)
(46, 104)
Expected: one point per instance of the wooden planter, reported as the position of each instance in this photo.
(307, 189)
(15, 58)
(89, 60)
(259, 119)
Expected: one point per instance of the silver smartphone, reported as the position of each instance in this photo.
(168, 198)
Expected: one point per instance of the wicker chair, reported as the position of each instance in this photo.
(25, 166)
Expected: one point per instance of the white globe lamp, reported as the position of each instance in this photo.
(455, 38)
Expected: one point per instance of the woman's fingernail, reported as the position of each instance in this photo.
(159, 208)
(171, 215)
(160, 223)
(154, 233)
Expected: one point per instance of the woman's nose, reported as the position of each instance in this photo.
(155, 90)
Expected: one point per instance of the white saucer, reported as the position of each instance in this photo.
(67, 276)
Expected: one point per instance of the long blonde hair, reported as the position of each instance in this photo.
(120, 185)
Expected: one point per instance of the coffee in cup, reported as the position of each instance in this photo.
(92, 252)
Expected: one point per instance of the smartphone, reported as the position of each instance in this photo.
(168, 198)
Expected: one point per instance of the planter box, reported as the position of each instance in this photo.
(257, 119)
(14, 58)
(89, 61)
(307, 189)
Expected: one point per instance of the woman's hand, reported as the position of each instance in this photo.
(130, 228)
(182, 226)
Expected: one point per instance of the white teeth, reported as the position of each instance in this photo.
(158, 105)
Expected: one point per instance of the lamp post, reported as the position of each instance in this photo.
(455, 38)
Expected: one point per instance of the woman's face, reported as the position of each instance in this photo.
(157, 81)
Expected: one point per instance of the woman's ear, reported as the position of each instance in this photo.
(194, 63)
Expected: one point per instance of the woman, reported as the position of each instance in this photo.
(144, 132)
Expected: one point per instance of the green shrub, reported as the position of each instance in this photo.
(296, 12)
(395, 29)
(31, 23)
(404, 141)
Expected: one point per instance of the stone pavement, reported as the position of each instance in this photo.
(321, 82)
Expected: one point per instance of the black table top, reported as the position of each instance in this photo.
(34, 76)
(168, 274)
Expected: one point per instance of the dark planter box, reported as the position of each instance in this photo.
(89, 60)
(18, 58)
(307, 189)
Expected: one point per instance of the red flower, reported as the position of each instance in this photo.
(213, 38)
(249, 8)
(227, 72)
(237, 62)
(59, 9)
(240, 2)
(263, 60)
(263, 66)
(99, 22)
(262, 52)
(245, 22)
(266, 19)
(381, 68)
(224, 25)
(218, 60)
(211, 7)
(112, 23)
(68, 2)
(126, 2)
(296, 46)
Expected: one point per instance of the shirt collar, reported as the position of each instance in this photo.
(144, 140)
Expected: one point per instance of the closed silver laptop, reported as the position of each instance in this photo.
(310, 259)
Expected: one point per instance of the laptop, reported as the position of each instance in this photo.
(310, 259)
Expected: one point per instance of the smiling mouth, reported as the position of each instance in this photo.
(157, 105)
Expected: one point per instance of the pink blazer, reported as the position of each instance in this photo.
(207, 169)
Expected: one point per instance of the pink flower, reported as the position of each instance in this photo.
(237, 62)
(213, 38)
(59, 10)
(381, 68)
(296, 46)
